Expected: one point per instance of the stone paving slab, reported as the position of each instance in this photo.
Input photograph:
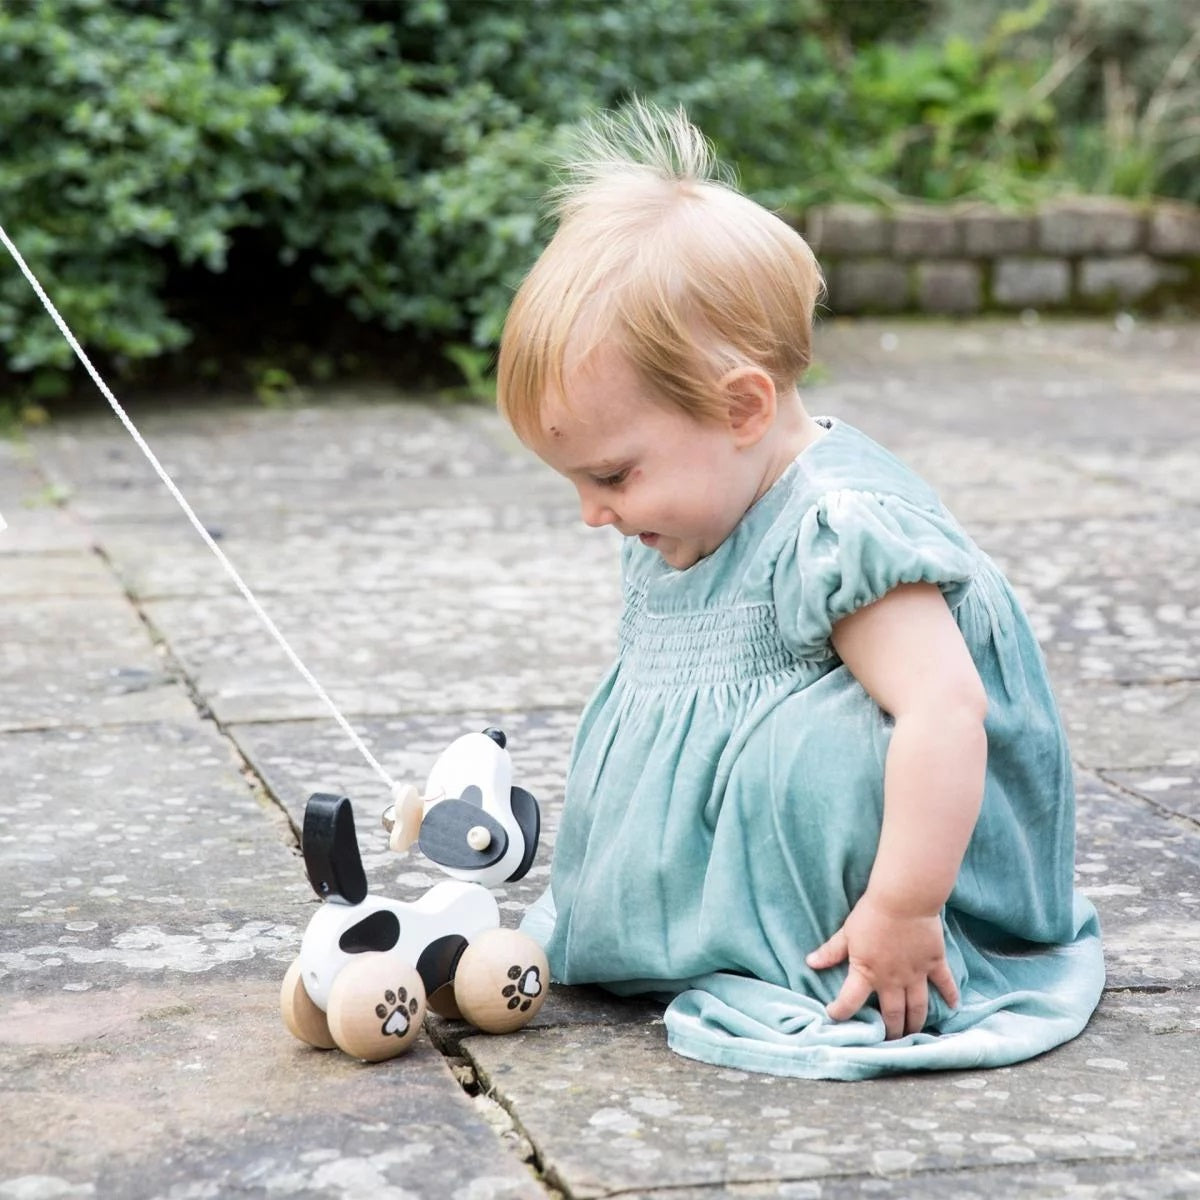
(1136, 726)
(1167, 472)
(984, 479)
(610, 1110)
(140, 852)
(194, 1090)
(433, 649)
(236, 459)
(405, 560)
(20, 479)
(1053, 382)
(26, 577)
(1116, 599)
(152, 907)
(1178, 1179)
(41, 529)
(29, 506)
(1141, 869)
(1173, 790)
(71, 660)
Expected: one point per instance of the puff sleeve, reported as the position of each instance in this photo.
(851, 548)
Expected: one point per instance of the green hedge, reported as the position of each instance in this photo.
(269, 175)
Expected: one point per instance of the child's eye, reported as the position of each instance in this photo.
(614, 480)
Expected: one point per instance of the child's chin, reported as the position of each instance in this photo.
(679, 558)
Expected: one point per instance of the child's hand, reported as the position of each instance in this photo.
(893, 954)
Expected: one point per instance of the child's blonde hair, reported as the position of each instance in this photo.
(656, 253)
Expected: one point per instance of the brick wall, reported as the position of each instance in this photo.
(1080, 254)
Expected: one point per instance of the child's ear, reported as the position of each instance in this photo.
(749, 393)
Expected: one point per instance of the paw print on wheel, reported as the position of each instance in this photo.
(525, 988)
(396, 1012)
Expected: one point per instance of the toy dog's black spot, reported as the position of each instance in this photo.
(379, 931)
(438, 961)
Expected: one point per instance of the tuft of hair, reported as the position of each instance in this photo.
(657, 253)
(637, 143)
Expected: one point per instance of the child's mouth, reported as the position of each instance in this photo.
(648, 539)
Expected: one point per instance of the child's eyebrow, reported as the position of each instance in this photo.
(606, 466)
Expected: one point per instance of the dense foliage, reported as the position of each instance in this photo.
(284, 179)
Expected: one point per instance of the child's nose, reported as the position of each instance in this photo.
(596, 513)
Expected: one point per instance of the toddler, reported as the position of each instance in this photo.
(822, 801)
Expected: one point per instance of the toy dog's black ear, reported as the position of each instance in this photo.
(529, 819)
(330, 848)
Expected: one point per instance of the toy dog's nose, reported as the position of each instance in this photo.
(497, 736)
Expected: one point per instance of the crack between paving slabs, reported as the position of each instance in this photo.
(1148, 989)
(1143, 989)
(1192, 823)
(175, 670)
(1162, 681)
(548, 1179)
(476, 1083)
(967, 1169)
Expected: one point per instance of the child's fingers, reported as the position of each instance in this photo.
(830, 953)
(916, 1008)
(893, 1008)
(856, 991)
(942, 978)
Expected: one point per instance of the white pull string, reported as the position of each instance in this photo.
(230, 569)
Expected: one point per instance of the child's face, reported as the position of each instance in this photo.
(643, 465)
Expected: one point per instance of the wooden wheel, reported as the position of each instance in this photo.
(501, 980)
(304, 1020)
(376, 1006)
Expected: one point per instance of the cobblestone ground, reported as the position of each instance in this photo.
(159, 750)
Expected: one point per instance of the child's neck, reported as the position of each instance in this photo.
(793, 432)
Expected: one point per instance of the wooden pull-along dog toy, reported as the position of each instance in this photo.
(369, 966)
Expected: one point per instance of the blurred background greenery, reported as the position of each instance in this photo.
(277, 192)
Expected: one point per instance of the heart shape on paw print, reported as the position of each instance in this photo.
(397, 1023)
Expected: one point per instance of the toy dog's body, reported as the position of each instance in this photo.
(429, 934)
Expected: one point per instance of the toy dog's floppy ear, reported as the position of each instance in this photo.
(529, 819)
(330, 848)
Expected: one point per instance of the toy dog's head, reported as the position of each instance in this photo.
(476, 825)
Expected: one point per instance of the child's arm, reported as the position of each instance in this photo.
(907, 651)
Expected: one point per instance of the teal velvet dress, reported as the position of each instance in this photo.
(725, 792)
